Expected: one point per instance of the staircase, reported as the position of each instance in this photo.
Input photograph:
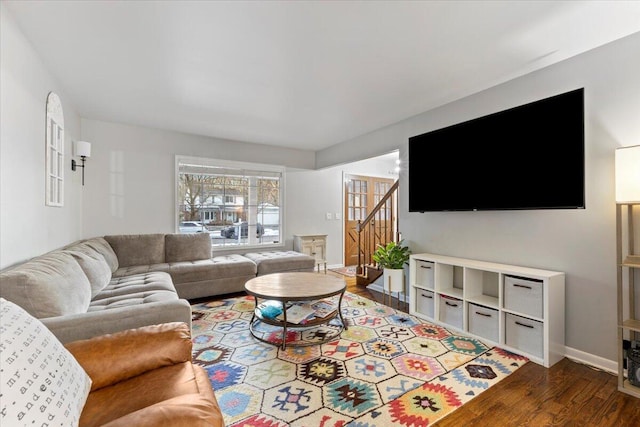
(378, 228)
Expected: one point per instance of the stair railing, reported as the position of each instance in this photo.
(377, 229)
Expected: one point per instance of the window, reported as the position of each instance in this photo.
(54, 169)
(239, 204)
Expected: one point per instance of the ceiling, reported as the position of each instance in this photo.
(300, 74)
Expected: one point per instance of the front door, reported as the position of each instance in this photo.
(362, 194)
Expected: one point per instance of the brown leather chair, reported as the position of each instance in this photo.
(144, 377)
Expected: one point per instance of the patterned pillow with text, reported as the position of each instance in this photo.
(41, 384)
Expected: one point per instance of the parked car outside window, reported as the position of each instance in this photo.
(189, 227)
(230, 231)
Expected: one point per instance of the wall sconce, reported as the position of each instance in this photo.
(628, 174)
(82, 150)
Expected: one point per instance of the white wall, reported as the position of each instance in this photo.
(130, 181)
(579, 242)
(130, 178)
(28, 227)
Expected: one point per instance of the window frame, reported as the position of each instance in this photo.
(231, 164)
(54, 152)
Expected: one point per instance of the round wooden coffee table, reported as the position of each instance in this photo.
(288, 288)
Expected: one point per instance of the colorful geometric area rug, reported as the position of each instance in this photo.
(388, 368)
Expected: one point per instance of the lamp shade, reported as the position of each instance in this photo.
(628, 174)
(83, 149)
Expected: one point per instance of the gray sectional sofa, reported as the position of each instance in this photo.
(112, 283)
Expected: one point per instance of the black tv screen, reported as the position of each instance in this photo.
(527, 157)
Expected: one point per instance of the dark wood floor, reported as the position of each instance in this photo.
(567, 394)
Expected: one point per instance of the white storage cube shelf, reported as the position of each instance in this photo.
(519, 309)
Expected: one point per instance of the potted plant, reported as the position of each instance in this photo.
(392, 259)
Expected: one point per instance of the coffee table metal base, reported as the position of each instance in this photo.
(255, 321)
(291, 287)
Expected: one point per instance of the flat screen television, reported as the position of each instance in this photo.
(527, 157)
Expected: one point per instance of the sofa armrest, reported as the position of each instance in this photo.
(116, 357)
(94, 323)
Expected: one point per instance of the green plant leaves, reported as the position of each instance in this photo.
(393, 255)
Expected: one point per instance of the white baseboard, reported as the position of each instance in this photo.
(597, 362)
(374, 287)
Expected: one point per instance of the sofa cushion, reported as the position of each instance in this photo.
(187, 247)
(128, 300)
(101, 246)
(219, 267)
(49, 285)
(95, 267)
(133, 270)
(281, 261)
(39, 369)
(176, 396)
(137, 249)
(154, 346)
(195, 409)
(127, 285)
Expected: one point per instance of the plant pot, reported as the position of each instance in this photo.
(393, 279)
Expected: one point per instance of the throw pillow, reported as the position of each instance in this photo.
(49, 285)
(137, 249)
(103, 248)
(42, 384)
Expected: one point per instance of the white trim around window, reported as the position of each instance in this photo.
(240, 204)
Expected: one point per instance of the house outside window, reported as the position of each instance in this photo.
(240, 204)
